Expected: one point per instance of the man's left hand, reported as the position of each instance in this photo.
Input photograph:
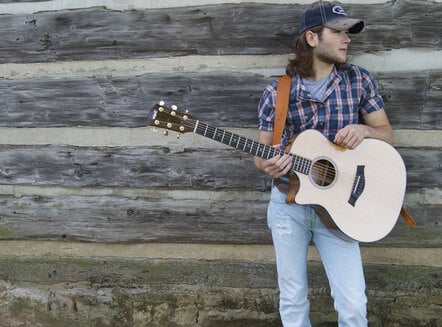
(351, 136)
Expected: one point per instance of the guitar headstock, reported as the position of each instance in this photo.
(170, 118)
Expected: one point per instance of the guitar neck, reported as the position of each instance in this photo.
(299, 164)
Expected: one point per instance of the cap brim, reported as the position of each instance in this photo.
(353, 25)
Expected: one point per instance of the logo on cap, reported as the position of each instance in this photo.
(339, 10)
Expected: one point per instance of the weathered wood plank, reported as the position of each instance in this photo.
(115, 272)
(404, 99)
(433, 108)
(132, 273)
(159, 168)
(20, 1)
(423, 166)
(121, 219)
(91, 34)
(130, 167)
(106, 101)
(427, 233)
(411, 101)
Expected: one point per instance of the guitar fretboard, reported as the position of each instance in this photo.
(299, 164)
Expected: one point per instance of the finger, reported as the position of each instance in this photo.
(354, 142)
(273, 161)
(286, 170)
(340, 137)
(283, 168)
(282, 161)
(288, 164)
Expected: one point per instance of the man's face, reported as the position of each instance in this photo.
(332, 46)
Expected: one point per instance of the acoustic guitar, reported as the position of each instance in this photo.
(362, 190)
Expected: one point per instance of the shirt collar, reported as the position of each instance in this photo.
(302, 92)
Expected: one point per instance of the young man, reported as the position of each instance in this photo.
(342, 102)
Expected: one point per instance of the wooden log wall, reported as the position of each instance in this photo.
(80, 169)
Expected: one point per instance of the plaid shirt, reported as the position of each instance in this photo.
(351, 92)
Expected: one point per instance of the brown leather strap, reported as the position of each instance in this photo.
(282, 103)
(408, 219)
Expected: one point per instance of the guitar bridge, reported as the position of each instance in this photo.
(358, 185)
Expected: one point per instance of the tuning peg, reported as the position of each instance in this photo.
(174, 107)
(161, 103)
(166, 132)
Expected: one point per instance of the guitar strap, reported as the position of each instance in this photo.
(282, 104)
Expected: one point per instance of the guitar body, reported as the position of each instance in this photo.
(362, 190)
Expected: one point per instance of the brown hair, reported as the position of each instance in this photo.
(303, 61)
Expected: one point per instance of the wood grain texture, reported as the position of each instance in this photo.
(97, 34)
(133, 273)
(143, 167)
(116, 219)
(224, 99)
(423, 167)
(119, 219)
(129, 167)
(220, 99)
(21, 1)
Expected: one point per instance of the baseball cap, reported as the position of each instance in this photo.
(331, 15)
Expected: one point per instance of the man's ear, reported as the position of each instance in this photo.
(311, 38)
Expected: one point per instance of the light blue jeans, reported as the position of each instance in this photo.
(293, 227)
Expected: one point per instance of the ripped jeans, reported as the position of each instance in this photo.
(293, 227)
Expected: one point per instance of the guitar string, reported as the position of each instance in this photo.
(329, 177)
(326, 178)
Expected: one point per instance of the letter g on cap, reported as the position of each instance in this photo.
(339, 10)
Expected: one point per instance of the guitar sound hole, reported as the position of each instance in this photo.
(323, 173)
